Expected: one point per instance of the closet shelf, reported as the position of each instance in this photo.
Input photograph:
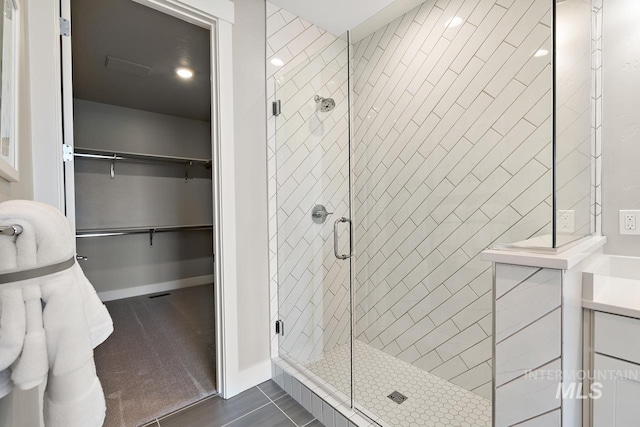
(91, 153)
(107, 232)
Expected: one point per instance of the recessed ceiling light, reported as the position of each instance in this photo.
(541, 52)
(277, 62)
(185, 73)
(454, 22)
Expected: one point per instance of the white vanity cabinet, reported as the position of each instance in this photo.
(616, 371)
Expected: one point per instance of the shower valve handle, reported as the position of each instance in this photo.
(319, 214)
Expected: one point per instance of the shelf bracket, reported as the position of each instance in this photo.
(112, 171)
(152, 232)
(187, 170)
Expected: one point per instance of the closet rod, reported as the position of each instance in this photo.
(106, 232)
(91, 153)
(11, 230)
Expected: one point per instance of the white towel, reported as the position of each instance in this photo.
(31, 369)
(63, 319)
(52, 236)
(75, 400)
(98, 318)
(47, 239)
(13, 323)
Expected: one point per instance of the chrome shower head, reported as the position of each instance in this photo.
(325, 104)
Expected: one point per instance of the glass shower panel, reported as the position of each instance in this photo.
(313, 209)
(575, 121)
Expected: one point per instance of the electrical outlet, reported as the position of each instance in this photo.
(566, 223)
(629, 222)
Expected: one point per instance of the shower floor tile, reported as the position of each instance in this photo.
(160, 357)
(431, 401)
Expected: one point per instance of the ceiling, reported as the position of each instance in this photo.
(395, 10)
(129, 31)
(335, 16)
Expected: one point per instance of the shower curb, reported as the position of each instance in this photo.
(320, 402)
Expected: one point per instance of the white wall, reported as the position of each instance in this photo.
(251, 185)
(45, 94)
(22, 189)
(335, 16)
(621, 115)
(111, 127)
(17, 409)
(142, 195)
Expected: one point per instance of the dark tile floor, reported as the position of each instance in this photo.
(266, 405)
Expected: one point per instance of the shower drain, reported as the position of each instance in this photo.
(397, 397)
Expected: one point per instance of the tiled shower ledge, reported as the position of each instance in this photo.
(432, 400)
(562, 261)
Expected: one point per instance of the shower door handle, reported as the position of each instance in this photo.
(335, 238)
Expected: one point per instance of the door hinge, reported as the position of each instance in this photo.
(280, 327)
(65, 27)
(67, 153)
(277, 108)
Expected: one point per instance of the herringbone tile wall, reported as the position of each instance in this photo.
(452, 153)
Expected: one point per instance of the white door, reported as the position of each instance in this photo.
(67, 113)
(216, 16)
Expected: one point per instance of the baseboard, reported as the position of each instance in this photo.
(155, 287)
(252, 376)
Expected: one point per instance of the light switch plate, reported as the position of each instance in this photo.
(630, 222)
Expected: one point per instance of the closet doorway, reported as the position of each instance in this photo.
(142, 197)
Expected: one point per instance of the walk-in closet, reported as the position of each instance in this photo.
(143, 202)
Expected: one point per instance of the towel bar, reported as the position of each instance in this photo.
(18, 276)
(10, 230)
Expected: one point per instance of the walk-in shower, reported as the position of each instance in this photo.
(447, 135)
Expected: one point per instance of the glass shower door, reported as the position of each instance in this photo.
(312, 214)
